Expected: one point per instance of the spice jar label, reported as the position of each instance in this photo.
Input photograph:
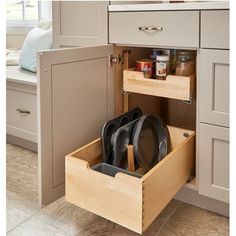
(161, 69)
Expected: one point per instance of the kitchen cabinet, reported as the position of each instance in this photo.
(168, 29)
(214, 162)
(79, 23)
(90, 85)
(76, 94)
(21, 104)
(214, 105)
(214, 87)
(215, 37)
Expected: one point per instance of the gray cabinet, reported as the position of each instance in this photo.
(155, 28)
(73, 106)
(214, 87)
(79, 23)
(215, 29)
(214, 162)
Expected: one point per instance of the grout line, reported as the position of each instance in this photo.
(168, 218)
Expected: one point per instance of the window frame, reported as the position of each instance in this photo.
(22, 27)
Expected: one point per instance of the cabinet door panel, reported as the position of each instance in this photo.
(214, 87)
(76, 97)
(79, 23)
(214, 162)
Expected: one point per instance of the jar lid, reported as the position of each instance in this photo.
(144, 60)
(163, 58)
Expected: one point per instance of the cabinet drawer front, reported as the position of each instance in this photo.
(172, 29)
(22, 115)
(214, 87)
(126, 200)
(214, 162)
(215, 29)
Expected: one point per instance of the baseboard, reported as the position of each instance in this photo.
(22, 143)
(194, 198)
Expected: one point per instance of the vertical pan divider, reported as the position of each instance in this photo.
(130, 156)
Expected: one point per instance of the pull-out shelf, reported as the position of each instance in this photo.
(126, 200)
(176, 87)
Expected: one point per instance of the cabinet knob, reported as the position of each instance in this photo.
(22, 111)
(158, 28)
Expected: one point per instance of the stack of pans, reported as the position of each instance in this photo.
(147, 133)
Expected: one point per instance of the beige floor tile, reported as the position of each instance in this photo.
(190, 220)
(165, 233)
(107, 228)
(22, 198)
(14, 217)
(67, 217)
(35, 227)
(162, 219)
(22, 175)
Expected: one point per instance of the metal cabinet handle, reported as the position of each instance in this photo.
(158, 28)
(22, 111)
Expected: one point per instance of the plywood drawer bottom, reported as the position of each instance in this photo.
(126, 200)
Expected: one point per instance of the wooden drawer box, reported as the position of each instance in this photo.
(177, 87)
(215, 29)
(129, 201)
(168, 29)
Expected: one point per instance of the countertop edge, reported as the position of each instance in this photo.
(170, 6)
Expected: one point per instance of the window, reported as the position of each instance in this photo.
(22, 12)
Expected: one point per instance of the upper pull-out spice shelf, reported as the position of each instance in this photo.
(176, 87)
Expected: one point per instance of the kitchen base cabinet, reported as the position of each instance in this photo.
(22, 111)
(214, 162)
(126, 200)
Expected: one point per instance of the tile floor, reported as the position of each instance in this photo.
(24, 218)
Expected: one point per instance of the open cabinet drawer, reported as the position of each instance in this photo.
(177, 87)
(126, 200)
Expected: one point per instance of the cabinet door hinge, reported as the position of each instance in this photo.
(116, 59)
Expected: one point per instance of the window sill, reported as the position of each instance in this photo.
(19, 29)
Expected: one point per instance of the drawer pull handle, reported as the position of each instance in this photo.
(159, 28)
(22, 111)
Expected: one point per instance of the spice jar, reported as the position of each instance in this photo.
(185, 64)
(146, 66)
(162, 66)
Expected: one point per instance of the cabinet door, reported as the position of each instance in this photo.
(214, 87)
(76, 97)
(214, 162)
(79, 23)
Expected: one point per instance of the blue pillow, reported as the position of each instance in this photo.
(37, 39)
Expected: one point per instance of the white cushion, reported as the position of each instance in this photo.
(37, 39)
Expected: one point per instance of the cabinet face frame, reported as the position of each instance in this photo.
(211, 137)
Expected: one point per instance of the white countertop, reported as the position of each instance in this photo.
(18, 75)
(171, 6)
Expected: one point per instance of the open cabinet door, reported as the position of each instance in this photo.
(75, 98)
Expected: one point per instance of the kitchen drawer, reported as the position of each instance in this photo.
(214, 87)
(215, 29)
(126, 200)
(214, 162)
(176, 87)
(173, 29)
(21, 114)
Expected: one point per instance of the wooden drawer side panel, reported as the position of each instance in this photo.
(166, 180)
(117, 199)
